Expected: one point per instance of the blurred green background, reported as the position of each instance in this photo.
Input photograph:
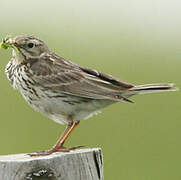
(138, 41)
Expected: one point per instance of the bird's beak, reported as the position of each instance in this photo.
(10, 41)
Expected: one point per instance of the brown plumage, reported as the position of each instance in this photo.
(62, 90)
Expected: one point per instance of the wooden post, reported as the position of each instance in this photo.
(83, 164)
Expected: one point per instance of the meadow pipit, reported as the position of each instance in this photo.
(64, 91)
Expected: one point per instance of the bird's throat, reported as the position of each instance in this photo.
(18, 57)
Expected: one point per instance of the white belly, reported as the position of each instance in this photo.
(63, 111)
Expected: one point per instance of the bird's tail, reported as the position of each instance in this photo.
(149, 88)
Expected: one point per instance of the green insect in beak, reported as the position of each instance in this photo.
(8, 42)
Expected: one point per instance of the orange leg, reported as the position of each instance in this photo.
(58, 147)
(64, 138)
(69, 126)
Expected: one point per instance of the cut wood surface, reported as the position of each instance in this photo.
(83, 164)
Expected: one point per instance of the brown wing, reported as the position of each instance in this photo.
(55, 73)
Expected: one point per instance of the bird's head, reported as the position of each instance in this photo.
(25, 47)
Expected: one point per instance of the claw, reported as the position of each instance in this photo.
(41, 153)
(76, 147)
(53, 150)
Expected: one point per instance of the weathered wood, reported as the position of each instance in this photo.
(84, 164)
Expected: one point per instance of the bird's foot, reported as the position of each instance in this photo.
(67, 149)
(53, 150)
(41, 153)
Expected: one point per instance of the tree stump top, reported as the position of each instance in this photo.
(83, 164)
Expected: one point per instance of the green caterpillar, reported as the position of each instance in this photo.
(7, 43)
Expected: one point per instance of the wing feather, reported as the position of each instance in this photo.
(63, 76)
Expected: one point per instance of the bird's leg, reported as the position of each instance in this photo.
(57, 144)
(70, 130)
(62, 140)
(58, 147)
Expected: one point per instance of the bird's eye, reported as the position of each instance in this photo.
(31, 45)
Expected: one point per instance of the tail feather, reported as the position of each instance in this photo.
(150, 88)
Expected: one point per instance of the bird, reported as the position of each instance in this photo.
(62, 90)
